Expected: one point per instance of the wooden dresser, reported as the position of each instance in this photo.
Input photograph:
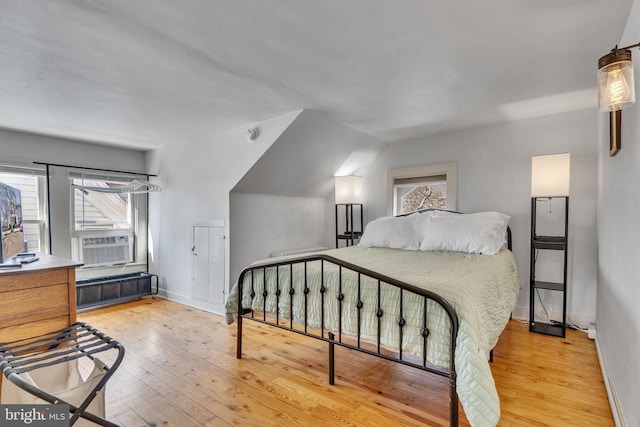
(37, 298)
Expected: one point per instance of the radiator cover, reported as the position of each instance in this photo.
(114, 289)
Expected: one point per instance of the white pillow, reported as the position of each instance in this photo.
(479, 233)
(391, 232)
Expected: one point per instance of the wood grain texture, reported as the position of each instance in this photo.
(37, 298)
(33, 301)
(180, 370)
(29, 279)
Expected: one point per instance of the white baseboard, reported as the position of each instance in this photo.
(614, 402)
(188, 301)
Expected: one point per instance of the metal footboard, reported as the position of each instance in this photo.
(250, 276)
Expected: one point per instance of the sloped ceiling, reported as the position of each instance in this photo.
(304, 159)
(150, 73)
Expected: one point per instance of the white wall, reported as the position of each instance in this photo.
(28, 148)
(494, 173)
(286, 200)
(618, 319)
(306, 157)
(24, 148)
(197, 176)
(263, 224)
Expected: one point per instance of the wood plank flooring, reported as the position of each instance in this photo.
(180, 370)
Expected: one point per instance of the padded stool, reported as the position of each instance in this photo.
(45, 369)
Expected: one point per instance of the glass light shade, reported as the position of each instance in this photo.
(616, 89)
(349, 190)
(550, 175)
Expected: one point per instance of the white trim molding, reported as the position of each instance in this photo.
(191, 302)
(614, 401)
(450, 170)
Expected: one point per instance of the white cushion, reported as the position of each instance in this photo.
(480, 233)
(391, 232)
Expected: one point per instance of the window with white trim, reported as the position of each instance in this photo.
(100, 204)
(421, 187)
(31, 183)
(118, 207)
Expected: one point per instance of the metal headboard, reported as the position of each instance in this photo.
(509, 243)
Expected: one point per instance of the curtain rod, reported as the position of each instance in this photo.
(94, 169)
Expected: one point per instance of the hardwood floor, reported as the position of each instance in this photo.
(180, 370)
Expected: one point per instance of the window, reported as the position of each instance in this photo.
(80, 204)
(422, 187)
(100, 205)
(31, 190)
(413, 194)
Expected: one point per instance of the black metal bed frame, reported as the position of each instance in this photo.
(330, 337)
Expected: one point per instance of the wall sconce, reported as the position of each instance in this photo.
(616, 89)
(550, 175)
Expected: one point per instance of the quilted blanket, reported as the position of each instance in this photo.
(482, 289)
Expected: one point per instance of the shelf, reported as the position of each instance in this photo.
(547, 329)
(557, 243)
(552, 286)
(550, 242)
(350, 229)
(356, 235)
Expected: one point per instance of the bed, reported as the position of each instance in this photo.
(432, 290)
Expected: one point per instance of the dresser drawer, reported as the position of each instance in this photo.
(31, 329)
(37, 298)
(32, 304)
(34, 279)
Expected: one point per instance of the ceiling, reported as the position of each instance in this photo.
(148, 73)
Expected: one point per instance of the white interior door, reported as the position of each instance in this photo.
(208, 264)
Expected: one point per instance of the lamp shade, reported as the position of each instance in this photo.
(550, 175)
(349, 190)
(616, 89)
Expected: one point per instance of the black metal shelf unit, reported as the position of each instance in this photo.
(554, 243)
(351, 235)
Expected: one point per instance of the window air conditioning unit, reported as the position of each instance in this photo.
(101, 250)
